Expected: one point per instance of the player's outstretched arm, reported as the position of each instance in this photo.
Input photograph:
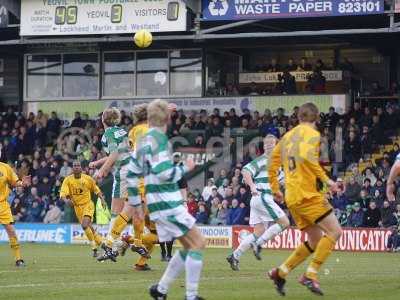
(97, 163)
(390, 187)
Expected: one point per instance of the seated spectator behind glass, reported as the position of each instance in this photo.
(319, 65)
(274, 66)
(345, 215)
(376, 89)
(340, 200)
(291, 66)
(393, 243)
(201, 215)
(352, 149)
(253, 90)
(372, 217)
(222, 215)
(231, 90)
(53, 215)
(366, 141)
(388, 218)
(287, 83)
(304, 65)
(316, 82)
(356, 217)
(236, 214)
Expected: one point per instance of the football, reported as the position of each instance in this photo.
(143, 38)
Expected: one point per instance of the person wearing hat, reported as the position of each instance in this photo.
(356, 217)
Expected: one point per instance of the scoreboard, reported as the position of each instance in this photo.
(78, 17)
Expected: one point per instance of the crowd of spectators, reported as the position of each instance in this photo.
(43, 147)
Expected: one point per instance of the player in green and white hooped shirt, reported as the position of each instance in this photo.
(263, 208)
(166, 206)
(115, 143)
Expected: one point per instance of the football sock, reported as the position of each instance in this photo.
(149, 241)
(90, 237)
(270, 233)
(299, 255)
(169, 248)
(193, 267)
(15, 248)
(322, 251)
(138, 228)
(244, 245)
(119, 225)
(109, 240)
(174, 268)
(97, 238)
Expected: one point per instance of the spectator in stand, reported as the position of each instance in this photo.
(339, 200)
(391, 120)
(234, 118)
(366, 118)
(236, 214)
(222, 176)
(291, 66)
(53, 126)
(17, 209)
(77, 121)
(319, 65)
(317, 82)
(304, 65)
(356, 217)
(253, 91)
(214, 208)
(364, 199)
(394, 89)
(352, 190)
(352, 149)
(198, 123)
(216, 129)
(376, 89)
(384, 169)
(347, 65)
(65, 169)
(199, 141)
(243, 196)
(331, 119)
(345, 216)
(367, 186)
(35, 213)
(388, 218)
(393, 243)
(356, 112)
(372, 217)
(287, 83)
(352, 126)
(394, 153)
(379, 198)
(274, 66)
(366, 141)
(201, 215)
(223, 211)
(223, 187)
(370, 175)
(53, 215)
(192, 205)
(214, 194)
(207, 191)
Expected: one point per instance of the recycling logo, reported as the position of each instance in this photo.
(218, 7)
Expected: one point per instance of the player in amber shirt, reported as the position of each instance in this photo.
(8, 180)
(77, 189)
(298, 153)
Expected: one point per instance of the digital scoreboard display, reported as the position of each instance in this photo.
(76, 17)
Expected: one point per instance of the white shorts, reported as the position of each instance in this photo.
(120, 188)
(263, 209)
(174, 226)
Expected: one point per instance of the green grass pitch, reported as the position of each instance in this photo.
(68, 272)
